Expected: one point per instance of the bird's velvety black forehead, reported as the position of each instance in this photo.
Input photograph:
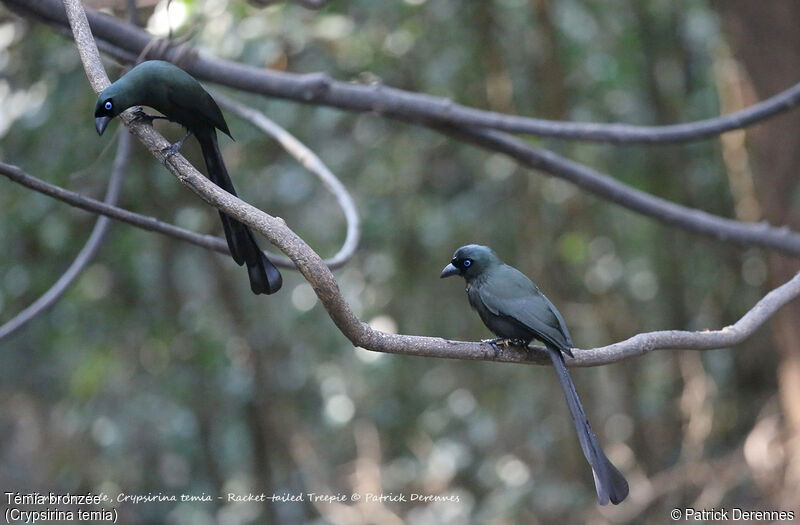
(474, 251)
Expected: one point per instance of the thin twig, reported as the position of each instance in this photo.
(361, 334)
(89, 204)
(145, 222)
(86, 254)
(320, 89)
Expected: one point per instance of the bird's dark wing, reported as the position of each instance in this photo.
(509, 293)
(197, 108)
(562, 325)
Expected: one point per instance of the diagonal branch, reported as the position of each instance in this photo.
(731, 335)
(145, 222)
(89, 204)
(86, 254)
(760, 234)
(361, 334)
(320, 89)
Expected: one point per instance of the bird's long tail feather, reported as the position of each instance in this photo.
(264, 276)
(609, 482)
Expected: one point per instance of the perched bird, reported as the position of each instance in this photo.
(514, 309)
(180, 98)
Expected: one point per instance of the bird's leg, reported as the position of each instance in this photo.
(139, 114)
(496, 342)
(505, 341)
(172, 149)
(175, 148)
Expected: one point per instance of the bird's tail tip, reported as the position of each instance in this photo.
(613, 487)
(264, 277)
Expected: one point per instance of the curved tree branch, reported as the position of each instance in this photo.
(760, 234)
(145, 222)
(361, 334)
(259, 81)
(312, 163)
(86, 254)
(396, 103)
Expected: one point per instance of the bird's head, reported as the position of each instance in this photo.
(110, 103)
(471, 261)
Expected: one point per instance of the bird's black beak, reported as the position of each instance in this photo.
(449, 270)
(100, 124)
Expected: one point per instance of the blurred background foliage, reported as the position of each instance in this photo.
(160, 372)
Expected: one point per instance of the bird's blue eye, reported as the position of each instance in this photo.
(108, 105)
(467, 263)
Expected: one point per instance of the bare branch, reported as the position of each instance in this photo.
(86, 45)
(145, 222)
(86, 254)
(731, 335)
(361, 334)
(312, 163)
(760, 234)
(89, 204)
(396, 103)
